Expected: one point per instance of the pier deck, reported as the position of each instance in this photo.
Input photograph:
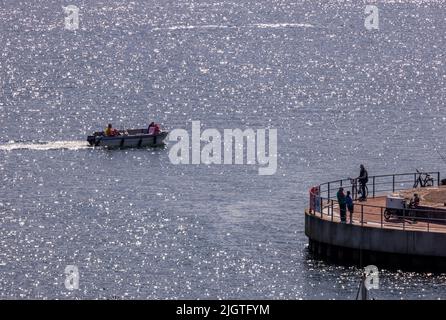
(411, 237)
(372, 217)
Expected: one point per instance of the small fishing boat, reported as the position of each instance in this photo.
(130, 138)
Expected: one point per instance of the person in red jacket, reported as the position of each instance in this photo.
(154, 128)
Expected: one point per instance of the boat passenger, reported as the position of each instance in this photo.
(154, 129)
(157, 128)
(110, 131)
(152, 124)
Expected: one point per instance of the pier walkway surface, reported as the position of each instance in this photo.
(370, 213)
(430, 216)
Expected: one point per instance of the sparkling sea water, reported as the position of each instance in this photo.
(137, 226)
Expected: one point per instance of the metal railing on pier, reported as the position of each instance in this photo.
(323, 202)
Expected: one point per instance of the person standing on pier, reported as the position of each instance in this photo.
(342, 204)
(363, 179)
(350, 206)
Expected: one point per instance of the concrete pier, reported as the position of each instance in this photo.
(405, 241)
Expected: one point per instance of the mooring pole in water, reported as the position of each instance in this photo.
(363, 293)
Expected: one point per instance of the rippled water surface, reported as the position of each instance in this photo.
(139, 227)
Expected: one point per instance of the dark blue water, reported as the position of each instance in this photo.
(139, 227)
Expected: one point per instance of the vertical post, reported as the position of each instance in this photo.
(373, 187)
(404, 219)
(332, 213)
(381, 217)
(364, 290)
(393, 183)
(353, 190)
(438, 178)
(362, 215)
(328, 191)
(322, 207)
(328, 207)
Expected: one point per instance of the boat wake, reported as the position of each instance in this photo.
(40, 145)
(248, 26)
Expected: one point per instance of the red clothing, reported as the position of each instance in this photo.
(154, 130)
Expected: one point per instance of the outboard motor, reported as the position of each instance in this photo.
(91, 140)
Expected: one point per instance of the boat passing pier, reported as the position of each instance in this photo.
(384, 230)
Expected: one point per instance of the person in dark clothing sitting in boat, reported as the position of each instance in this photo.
(363, 179)
(154, 129)
(110, 131)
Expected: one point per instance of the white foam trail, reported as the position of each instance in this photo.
(54, 145)
(281, 25)
(253, 25)
(185, 27)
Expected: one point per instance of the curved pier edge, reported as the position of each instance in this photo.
(361, 258)
(391, 249)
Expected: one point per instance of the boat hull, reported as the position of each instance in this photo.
(141, 140)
